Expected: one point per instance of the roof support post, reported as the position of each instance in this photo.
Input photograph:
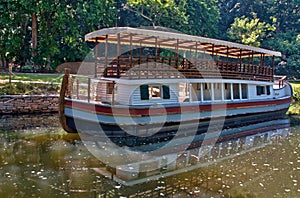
(227, 54)
(96, 52)
(252, 66)
(273, 67)
(140, 59)
(213, 51)
(196, 52)
(240, 57)
(239, 67)
(249, 63)
(156, 51)
(195, 61)
(177, 54)
(130, 46)
(118, 53)
(106, 51)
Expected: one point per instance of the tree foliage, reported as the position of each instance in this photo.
(62, 25)
(61, 28)
(203, 18)
(167, 13)
(288, 43)
(249, 31)
(12, 30)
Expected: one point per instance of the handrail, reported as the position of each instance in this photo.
(190, 68)
(281, 80)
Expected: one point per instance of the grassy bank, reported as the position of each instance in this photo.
(295, 106)
(26, 84)
(55, 78)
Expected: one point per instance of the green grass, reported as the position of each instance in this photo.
(21, 88)
(33, 77)
(295, 106)
(294, 109)
(295, 84)
(30, 84)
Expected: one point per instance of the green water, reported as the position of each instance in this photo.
(43, 161)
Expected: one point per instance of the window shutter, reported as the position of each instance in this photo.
(166, 92)
(144, 92)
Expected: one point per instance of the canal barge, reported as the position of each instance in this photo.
(150, 85)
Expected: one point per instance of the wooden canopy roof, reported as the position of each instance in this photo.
(171, 40)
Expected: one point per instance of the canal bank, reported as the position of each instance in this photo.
(18, 104)
(28, 121)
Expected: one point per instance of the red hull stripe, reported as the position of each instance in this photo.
(144, 111)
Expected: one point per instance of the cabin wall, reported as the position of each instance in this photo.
(101, 92)
(252, 93)
(218, 91)
(124, 93)
(195, 92)
(130, 95)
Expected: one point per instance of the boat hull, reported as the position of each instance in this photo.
(140, 126)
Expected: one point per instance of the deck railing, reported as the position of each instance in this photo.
(88, 88)
(150, 67)
(280, 80)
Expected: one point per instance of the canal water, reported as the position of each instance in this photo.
(38, 159)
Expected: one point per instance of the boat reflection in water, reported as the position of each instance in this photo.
(231, 143)
(50, 163)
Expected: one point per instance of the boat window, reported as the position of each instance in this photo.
(109, 88)
(206, 86)
(154, 91)
(244, 91)
(268, 90)
(198, 86)
(207, 92)
(184, 93)
(227, 91)
(236, 91)
(217, 91)
(260, 90)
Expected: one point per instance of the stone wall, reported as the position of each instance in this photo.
(29, 104)
(28, 121)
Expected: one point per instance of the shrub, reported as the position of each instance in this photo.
(296, 94)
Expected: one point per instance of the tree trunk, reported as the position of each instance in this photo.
(34, 34)
(3, 65)
(2, 62)
(48, 66)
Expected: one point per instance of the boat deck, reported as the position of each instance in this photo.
(160, 67)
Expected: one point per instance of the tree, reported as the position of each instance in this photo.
(63, 24)
(289, 44)
(249, 31)
(13, 27)
(203, 18)
(167, 13)
(287, 13)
